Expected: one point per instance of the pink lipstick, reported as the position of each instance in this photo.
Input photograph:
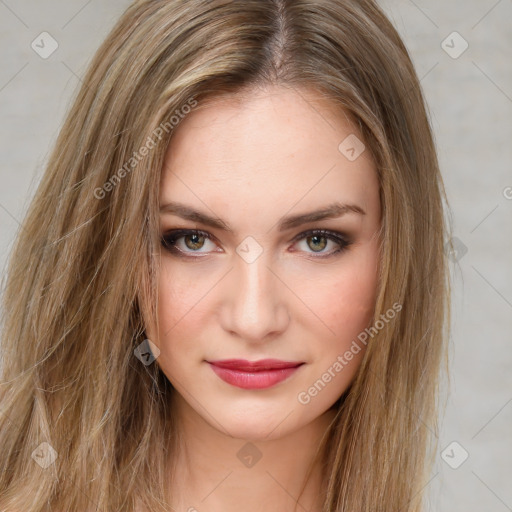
(254, 374)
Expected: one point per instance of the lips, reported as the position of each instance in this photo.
(250, 366)
(254, 374)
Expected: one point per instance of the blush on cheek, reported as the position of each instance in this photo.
(349, 305)
(176, 298)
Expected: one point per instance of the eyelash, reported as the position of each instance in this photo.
(169, 239)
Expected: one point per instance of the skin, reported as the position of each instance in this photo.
(250, 160)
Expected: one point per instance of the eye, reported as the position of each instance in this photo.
(193, 241)
(318, 239)
(188, 241)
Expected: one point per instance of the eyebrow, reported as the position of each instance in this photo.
(331, 211)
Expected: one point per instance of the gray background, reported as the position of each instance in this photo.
(470, 101)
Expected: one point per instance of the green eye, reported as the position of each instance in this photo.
(194, 240)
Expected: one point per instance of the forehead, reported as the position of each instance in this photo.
(276, 119)
(272, 146)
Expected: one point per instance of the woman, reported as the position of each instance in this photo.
(230, 291)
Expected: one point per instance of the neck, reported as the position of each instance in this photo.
(217, 472)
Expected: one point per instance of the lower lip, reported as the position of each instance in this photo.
(253, 380)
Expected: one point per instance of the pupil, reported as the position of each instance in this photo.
(316, 238)
(195, 241)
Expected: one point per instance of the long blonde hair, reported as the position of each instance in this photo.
(81, 280)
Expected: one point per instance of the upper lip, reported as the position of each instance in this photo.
(262, 364)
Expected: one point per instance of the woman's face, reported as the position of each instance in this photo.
(244, 273)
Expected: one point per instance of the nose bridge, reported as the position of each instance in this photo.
(255, 307)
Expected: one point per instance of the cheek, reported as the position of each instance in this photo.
(174, 301)
(180, 320)
(350, 305)
(344, 298)
(179, 299)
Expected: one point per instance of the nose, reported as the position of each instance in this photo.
(254, 306)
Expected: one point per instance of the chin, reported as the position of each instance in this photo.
(258, 424)
(254, 431)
